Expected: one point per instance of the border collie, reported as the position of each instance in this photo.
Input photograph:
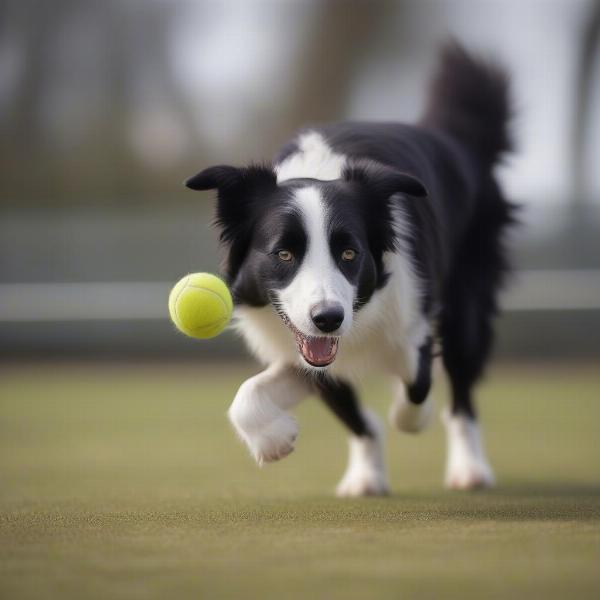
(366, 246)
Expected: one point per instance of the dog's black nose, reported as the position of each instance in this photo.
(327, 316)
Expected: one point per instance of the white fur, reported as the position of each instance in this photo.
(314, 158)
(259, 412)
(409, 417)
(467, 466)
(366, 473)
(319, 279)
(265, 334)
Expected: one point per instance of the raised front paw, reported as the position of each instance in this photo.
(267, 441)
(275, 441)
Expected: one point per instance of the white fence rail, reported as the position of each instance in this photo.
(554, 290)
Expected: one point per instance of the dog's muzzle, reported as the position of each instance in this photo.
(316, 351)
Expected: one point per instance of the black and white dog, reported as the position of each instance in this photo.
(362, 247)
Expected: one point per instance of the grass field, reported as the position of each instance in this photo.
(127, 482)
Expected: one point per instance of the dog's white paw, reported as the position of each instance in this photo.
(409, 417)
(467, 467)
(273, 442)
(469, 475)
(365, 474)
(362, 482)
(268, 431)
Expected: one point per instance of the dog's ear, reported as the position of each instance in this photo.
(239, 190)
(220, 176)
(228, 179)
(383, 180)
(378, 184)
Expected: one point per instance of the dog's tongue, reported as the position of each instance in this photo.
(319, 350)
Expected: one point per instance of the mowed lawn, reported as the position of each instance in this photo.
(125, 481)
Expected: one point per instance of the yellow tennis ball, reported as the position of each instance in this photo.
(200, 305)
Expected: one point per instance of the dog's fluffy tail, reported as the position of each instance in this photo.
(469, 99)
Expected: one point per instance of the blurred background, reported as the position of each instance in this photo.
(106, 107)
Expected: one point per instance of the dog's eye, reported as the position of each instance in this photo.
(348, 254)
(285, 255)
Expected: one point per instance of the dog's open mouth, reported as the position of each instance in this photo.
(316, 351)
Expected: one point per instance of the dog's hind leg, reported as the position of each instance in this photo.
(467, 466)
(466, 342)
(466, 331)
(259, 412)
(366, 473)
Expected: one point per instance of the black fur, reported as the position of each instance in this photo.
(468, 99)
(340, 397)
(418, 389)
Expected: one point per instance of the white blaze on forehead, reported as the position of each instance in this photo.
(314, 158)
(314, 215)
(318, 278)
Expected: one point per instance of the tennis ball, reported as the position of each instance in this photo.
(200, 305)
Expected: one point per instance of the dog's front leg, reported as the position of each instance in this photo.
(259, 412)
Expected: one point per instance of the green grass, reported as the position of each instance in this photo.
(127, 482)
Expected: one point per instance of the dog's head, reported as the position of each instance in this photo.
(311, 248)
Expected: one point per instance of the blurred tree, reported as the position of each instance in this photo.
(587, 73)
(64, 49)
(95, 107)
(337, 42)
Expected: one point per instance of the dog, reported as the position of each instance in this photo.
(367, 246)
